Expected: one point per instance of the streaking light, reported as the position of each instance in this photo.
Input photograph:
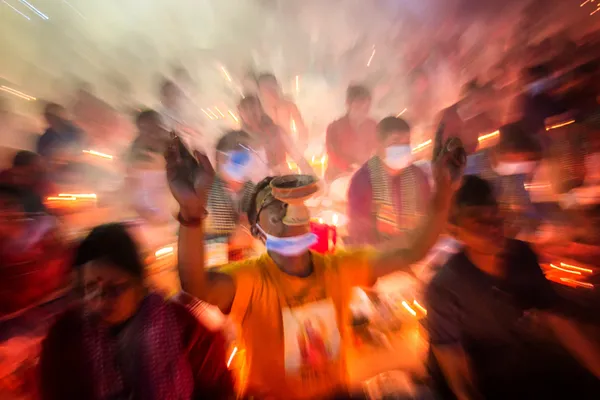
(79, 196)
(207, 114)
(577, 283)
(35, 10)
(15, 92)
(401, 112)
(233, 353)
(98, 154)
(233, 116)
(61, 198)
(421, 146)
(589, 271)
(488, 136)
(219, 111)
(227, 76)
(549, 128)
(420, 307)
(371, 58)
(17, 11)
(584, 3)
(163, 252)
(297, 83)
(565, 270)
(409, 309)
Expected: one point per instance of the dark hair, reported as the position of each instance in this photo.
(111, 243)
(252, 211)
(390, 125)
(266, 76)
(50, 108)
(166, 85)
(25, 158)
(147, 115)
(514, 139)
(230, 140)
(474, 191)
(357, 92)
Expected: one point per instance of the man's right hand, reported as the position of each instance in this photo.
(191, 196)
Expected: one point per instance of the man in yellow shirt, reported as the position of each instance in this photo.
(290, 305)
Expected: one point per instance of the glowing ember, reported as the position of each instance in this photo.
(420, 307)
(233, 353)
(488, 136)
(163, 252)
(409, 309)
(549, 128)
(98, 154)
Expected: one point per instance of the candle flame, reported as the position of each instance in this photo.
(409, 309)
(488, 136)
(420, 307)
(163, 252)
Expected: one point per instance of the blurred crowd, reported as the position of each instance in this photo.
(504, 318)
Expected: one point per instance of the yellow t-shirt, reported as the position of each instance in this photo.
(293, 329)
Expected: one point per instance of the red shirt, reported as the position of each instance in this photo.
(362, 225)
(348, 145)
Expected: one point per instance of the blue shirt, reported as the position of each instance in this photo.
(51, 140)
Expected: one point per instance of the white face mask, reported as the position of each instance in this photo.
(515, 168)
(289, 246)
(398, 157)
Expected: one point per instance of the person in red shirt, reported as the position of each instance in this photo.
(388, 194)
(352, 139)
(123, 341)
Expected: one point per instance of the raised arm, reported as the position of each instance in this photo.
(191, 193)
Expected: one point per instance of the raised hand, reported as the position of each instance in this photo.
(190, 178)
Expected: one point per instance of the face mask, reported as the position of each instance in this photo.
(238, 165)
(289, 246)
(398, 157)
(259, 169)
(518, 168)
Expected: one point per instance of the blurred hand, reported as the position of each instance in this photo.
(191, 195)
(447, 181)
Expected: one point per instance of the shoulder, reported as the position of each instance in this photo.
(63, 333)
(361, 178)
(450, 275)
(337, 123)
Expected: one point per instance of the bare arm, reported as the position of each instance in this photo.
(295, 154)
(456, 368)
(575, 341)
(215, 288)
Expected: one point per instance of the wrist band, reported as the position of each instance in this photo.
(193, 222)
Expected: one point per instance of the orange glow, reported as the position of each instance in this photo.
(98, 154)
(565, 270)
(409, 309)
(61, 198)
(577, 283)
(549, 128)
(79, 196)
(335, 219)
(420, 307)
(589, 271)
(421, 146)
(488, 136)
(233, 353)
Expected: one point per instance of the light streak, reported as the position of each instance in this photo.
(560, 125)
(488, 136)
(207, 114)
(578, 283)
(320, 220)
(17, 93)
(421, 146)
(401, 112)
(213, 114)
(565, 270)
(233, 116)
(219, 111)
(409, 309)
(293, 125)
(324, 159)
(98, 154)
(74, 9)
(35, 10)
(233, 353)
(79, 196)
(371, 58)
(227, 76)
(420, 307)
(536, 186)
(61, 198)
(335, 219)
(17, 11)
(589, 271)
(163, 252)
(595, 11)
(584, 3)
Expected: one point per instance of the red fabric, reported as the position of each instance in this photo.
(362, 227)
(66, 368)
(347, 145)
